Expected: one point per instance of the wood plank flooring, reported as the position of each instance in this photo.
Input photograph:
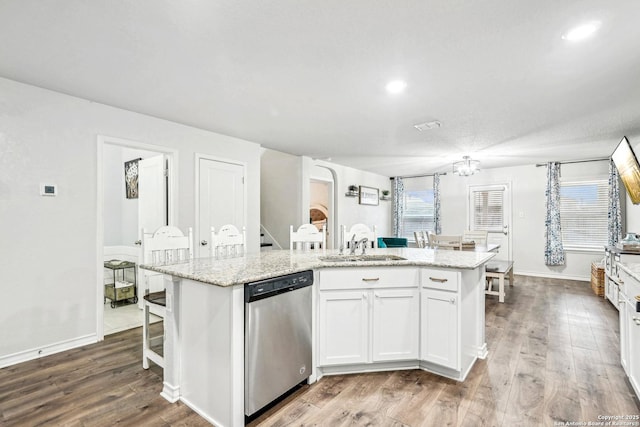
(553, 357)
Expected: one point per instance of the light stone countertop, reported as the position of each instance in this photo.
(633, 268)
(273, 263)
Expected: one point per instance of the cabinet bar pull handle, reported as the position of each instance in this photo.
(435, 279)
(375, 279)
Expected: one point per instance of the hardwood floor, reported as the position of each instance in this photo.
(553, 356)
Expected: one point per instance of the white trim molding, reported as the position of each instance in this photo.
(47, 350)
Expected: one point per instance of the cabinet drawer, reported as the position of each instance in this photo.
(629, 285)
(446, 280)
(369, 277)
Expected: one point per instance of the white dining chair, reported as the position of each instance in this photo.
(480, 237)
(358, 232)
(441, 241)
(421, 239)
(307, 237)
(228, 242)
(167, 245)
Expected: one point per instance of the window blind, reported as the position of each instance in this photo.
(584, 207)
(418, 212)
(488, 210)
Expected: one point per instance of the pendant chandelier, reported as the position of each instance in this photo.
(466, 166)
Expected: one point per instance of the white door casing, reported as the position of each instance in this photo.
(496, 219)
(220, 198)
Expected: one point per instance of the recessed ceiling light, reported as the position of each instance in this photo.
(396, 86)
(582, 32)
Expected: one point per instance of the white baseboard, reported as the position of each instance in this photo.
(553, 275)
(170, 392)
(47, 350)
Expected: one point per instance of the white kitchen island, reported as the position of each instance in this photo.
(424, 311)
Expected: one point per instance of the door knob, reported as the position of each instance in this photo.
(138, 242)
(203, 242)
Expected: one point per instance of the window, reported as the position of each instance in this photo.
(584, 207)
(488, 211)
(418, 212)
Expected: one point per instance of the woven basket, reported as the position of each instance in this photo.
(597, 279)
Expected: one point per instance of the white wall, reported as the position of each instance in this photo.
(286, 194)
(348, 211)
(48, 250)
(281, 194)
(528, 214)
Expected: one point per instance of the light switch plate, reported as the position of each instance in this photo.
(48, 190)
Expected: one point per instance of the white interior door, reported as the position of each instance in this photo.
(152, 211)
(489, 209)
(152, 193)
(221, 198)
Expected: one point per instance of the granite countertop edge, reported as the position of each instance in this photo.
(269, 264)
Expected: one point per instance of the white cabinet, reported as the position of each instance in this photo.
(396, 320)
(629, 295)
(624, 334)
(633, 361)
(439, 335)
(344, 327)
(368, 315)
(613, 280)
(350, 321)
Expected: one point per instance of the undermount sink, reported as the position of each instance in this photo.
(361, 258)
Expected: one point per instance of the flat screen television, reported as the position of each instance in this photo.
(627, 164)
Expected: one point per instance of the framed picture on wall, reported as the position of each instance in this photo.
(131, 178)
(369, 196)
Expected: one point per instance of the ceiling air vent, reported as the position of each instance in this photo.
(428, 125)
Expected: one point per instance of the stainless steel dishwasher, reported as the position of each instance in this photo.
(277, 337)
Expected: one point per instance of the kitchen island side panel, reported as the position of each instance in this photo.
(212, 351)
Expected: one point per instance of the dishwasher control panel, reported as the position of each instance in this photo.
(255, 291)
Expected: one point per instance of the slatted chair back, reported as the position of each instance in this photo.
(307, 237)
(480, 237)
(358, 232)
(228, 242)
(441, 241)
(421, 239)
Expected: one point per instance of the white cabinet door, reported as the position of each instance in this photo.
(625, 321)
(633, 346)
(344, 327)
(396, 318)
(439, 328)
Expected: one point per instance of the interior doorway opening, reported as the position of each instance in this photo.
(321, 206)
(124, 208)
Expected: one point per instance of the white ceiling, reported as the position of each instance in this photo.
(308, 77)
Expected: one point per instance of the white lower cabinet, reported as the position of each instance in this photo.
(350, 320)
(624, 333)
(633, 362)
(396, 321)
(628, 296)
(439, 336)
(344, 327)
